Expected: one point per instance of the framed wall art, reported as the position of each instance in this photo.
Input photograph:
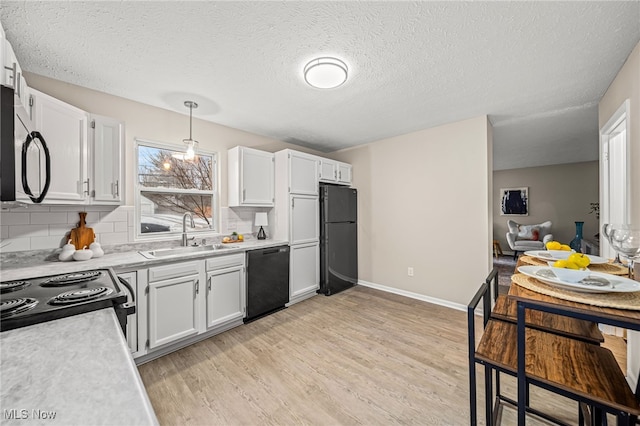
(514, 201)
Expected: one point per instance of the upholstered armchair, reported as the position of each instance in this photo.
(528, 237)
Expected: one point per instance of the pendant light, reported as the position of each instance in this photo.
(190, 143)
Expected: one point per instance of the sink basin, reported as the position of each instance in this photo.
(184, 251)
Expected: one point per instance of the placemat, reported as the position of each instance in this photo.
(629, 301)
(607, 268)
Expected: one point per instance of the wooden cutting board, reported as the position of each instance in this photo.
(82, 236)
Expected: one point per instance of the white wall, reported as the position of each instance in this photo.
(424, 203)
(559, 193)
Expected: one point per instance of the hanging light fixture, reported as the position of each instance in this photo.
(190, 143)
(325, 73)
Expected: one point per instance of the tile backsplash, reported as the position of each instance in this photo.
(47, 227)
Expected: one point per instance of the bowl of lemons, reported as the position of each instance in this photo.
(572, 269)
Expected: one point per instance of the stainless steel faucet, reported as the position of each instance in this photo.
(184, 227)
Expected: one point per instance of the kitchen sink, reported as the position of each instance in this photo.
(184, 251)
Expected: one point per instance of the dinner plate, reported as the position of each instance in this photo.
(596, 282)
(561, 254)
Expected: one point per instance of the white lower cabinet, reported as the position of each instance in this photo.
(173, 305)
(304, 274)
(226, 290)
(188, 301)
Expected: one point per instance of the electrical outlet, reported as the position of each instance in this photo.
(410, 271)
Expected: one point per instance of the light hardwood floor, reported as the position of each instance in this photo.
(360, 357)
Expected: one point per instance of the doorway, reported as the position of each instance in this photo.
(614, 167)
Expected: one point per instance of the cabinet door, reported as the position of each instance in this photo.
(304, 270)
(344, 173)
(225, 296)
(64, 129)
(328, 170)
(106, 154)
(303, 174)
(132, 320)
(304, 223)
(257, 179)
(173, 310)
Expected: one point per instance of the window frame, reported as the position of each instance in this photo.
(139, 189)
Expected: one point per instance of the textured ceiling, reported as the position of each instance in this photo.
(538, 69)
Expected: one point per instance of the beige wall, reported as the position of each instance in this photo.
(424, 203)
(157, 124)
(559, 193)
(626, 85)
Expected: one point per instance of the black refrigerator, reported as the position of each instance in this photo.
(338, 238)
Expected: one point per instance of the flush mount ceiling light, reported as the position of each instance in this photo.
(190, 143)
(325, 73)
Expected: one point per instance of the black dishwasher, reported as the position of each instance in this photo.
(267, 281)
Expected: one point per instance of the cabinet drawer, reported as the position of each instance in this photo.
(172, 271)
(225, 261)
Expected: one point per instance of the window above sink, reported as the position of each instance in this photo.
(167, 186)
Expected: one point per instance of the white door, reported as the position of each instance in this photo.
(304, 270)
(304, 223)
(257, 177)
(225, 295)
(173, 310)
(615, 174)
(64, 128)
(107, 156)
(303, 174)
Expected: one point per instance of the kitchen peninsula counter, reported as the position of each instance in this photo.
(23, 265)
(74, 370)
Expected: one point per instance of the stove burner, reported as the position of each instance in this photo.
(78, 296)
(8, 286)
(15, 306)
(68, 279)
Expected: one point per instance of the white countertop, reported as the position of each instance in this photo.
(77, 369)
(23, 268)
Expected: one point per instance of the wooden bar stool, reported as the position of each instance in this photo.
(497, 250)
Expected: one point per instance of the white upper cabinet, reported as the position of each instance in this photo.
(303, 173)
(86, 161)
(328, 170)
(304, 222)
(11, 74)
(332, 171)
(251, 176)
(64, 129)
(107, 139)
(344, 173)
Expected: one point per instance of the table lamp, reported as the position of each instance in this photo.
(261, 220)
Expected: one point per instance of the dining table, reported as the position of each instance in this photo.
(530, 296)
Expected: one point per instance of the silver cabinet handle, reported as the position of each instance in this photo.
(209, 283)
(293, 202)
(117, 189)
(244, 194)
(87, 183)
(197, 286)
(335, 174)
(340, 175)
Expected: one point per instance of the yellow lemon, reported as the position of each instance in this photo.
(572, 265)
(580, 259)
(560, 263)
(553, 245)
(565, 247)
(240, 237)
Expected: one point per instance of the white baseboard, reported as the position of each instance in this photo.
(413, 295)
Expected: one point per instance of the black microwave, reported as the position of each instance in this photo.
(25, 162)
